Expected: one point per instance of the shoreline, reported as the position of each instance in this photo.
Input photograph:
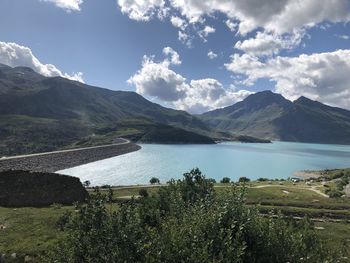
(61, 160)
(307, 174)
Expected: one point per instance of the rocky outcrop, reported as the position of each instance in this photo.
(34, 189)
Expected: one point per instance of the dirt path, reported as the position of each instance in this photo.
(313, 189)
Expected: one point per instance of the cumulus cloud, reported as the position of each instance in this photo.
(15, 55)
(275, 18)
(323, 76)
(178, 22)
(212, 55)
(278, 16)
(68, 5)
(158, 80)
(174, 56)
(185, 38)
(205, 32)
(231, 25)
(267, 44)
(142, 10)
(208, 94)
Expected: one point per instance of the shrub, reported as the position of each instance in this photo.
(143, 192)
(334, 194)
(154, 180)
(212, 180)
(186, 222)
(262, 179)
(225, 180)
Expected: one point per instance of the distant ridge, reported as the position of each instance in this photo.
(270, 116)
(43, 114)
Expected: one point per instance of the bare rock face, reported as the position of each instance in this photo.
(34, 189)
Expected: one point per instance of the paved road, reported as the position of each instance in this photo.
(124, 141)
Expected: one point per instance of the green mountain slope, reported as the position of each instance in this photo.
(40, 114)
(270, 116)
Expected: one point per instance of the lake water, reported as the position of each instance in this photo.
(275, 160)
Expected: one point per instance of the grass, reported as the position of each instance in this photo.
(31, 231)
(335, 234)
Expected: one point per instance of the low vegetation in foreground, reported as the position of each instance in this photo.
(188, 220)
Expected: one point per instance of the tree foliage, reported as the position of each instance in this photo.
(154, 180)
(225, 180)
(185, 222)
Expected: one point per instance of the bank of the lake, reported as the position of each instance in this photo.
(230, 159)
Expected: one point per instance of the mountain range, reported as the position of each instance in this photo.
(40, 113)
(271, 116)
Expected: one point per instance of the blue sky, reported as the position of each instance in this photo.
(106, 42)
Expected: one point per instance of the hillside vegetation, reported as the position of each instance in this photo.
(43, 114)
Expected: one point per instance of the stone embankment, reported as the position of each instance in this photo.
(60, 160)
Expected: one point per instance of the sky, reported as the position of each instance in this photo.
(193, 55)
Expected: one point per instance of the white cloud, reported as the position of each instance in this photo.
(174, 56)
(185, 39)
(345, 37)
(277, 16)
(15, 55)
(142, 10)
(212, 55)
(322, 76)
(68, 5)
(205, 32)
(208, 94)
(178, 22)
(157, 80)
(231, 25)
(266, 44)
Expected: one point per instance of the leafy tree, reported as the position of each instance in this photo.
(154, 180)
(244, 180)
(225, 180)
(86, 183)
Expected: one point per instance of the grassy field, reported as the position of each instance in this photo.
(30, 231)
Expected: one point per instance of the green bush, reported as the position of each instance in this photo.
(143, 192)
(225, 180)
(262, 179)
(185, 222)
(334, 193)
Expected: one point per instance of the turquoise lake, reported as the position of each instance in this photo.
(275, 160)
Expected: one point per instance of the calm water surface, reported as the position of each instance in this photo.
(276, 160)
